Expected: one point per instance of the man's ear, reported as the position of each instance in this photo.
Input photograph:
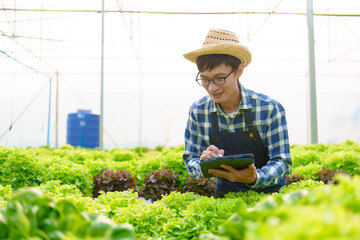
(240, 70)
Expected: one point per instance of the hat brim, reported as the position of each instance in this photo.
(238, 51)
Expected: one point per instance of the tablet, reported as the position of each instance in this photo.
(237, 161)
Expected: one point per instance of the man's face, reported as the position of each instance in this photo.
(224, 94)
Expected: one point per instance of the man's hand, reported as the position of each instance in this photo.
(212, 152)
(246, 175)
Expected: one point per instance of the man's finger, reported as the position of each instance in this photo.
(228, 167)
(252, 166)
(212, 148)
(221, 151)
(218, 172)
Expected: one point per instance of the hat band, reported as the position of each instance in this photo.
(209, 39)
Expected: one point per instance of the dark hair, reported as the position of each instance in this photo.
(210, 61)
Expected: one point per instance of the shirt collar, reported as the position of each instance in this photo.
(245, 100)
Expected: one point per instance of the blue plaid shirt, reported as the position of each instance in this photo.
(269, 121)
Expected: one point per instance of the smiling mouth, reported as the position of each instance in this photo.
(217, 95)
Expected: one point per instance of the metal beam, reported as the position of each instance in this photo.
(49, 114)
(101, 145)
(57, 112)
(312, 104)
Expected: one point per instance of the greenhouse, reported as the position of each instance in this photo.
(112, 113)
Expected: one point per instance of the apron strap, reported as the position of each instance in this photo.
(214, 122)
(248, 119)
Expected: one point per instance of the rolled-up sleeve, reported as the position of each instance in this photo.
(193, 146)
(277, 141)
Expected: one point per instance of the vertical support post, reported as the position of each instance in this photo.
(140, 107)
(57, 112)
(312, 104)
(49, 114)
(101, 147)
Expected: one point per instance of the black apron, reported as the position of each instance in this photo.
(248, 141)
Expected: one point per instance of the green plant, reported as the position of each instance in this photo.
(78, 156)
(308, 171)
(140, 150)
(303, 158)
(147, 219)
(67, 147)
(233, 228)
(301, 185)
(70, 173)
(4, 153)
(182, 228)
(159, 148)
(122, 155)
(5, 192)
(178, 201)
(348, 161)
(250, 197)
(112, 201)
(333, 209)
(326, 212)
(110, 181)
(54, 188)
(5, 195)
(159, 182)
(210, 213)
(22, 168)
(32, 215)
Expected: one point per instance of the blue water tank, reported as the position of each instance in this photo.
(83, 129)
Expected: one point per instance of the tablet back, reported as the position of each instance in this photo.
(238, 161)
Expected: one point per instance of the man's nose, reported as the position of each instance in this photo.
(212, 86)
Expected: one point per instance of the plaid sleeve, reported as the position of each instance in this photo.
(193, 147)
(277, 141)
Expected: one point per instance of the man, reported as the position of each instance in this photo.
(232, 119)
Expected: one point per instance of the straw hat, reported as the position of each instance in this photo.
(219, 41)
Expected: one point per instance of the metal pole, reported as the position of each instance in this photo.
(101, 146)
(49, 114)
(140, 107)
(312, 108)
(57, 112)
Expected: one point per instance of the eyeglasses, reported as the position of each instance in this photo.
(217, 80)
